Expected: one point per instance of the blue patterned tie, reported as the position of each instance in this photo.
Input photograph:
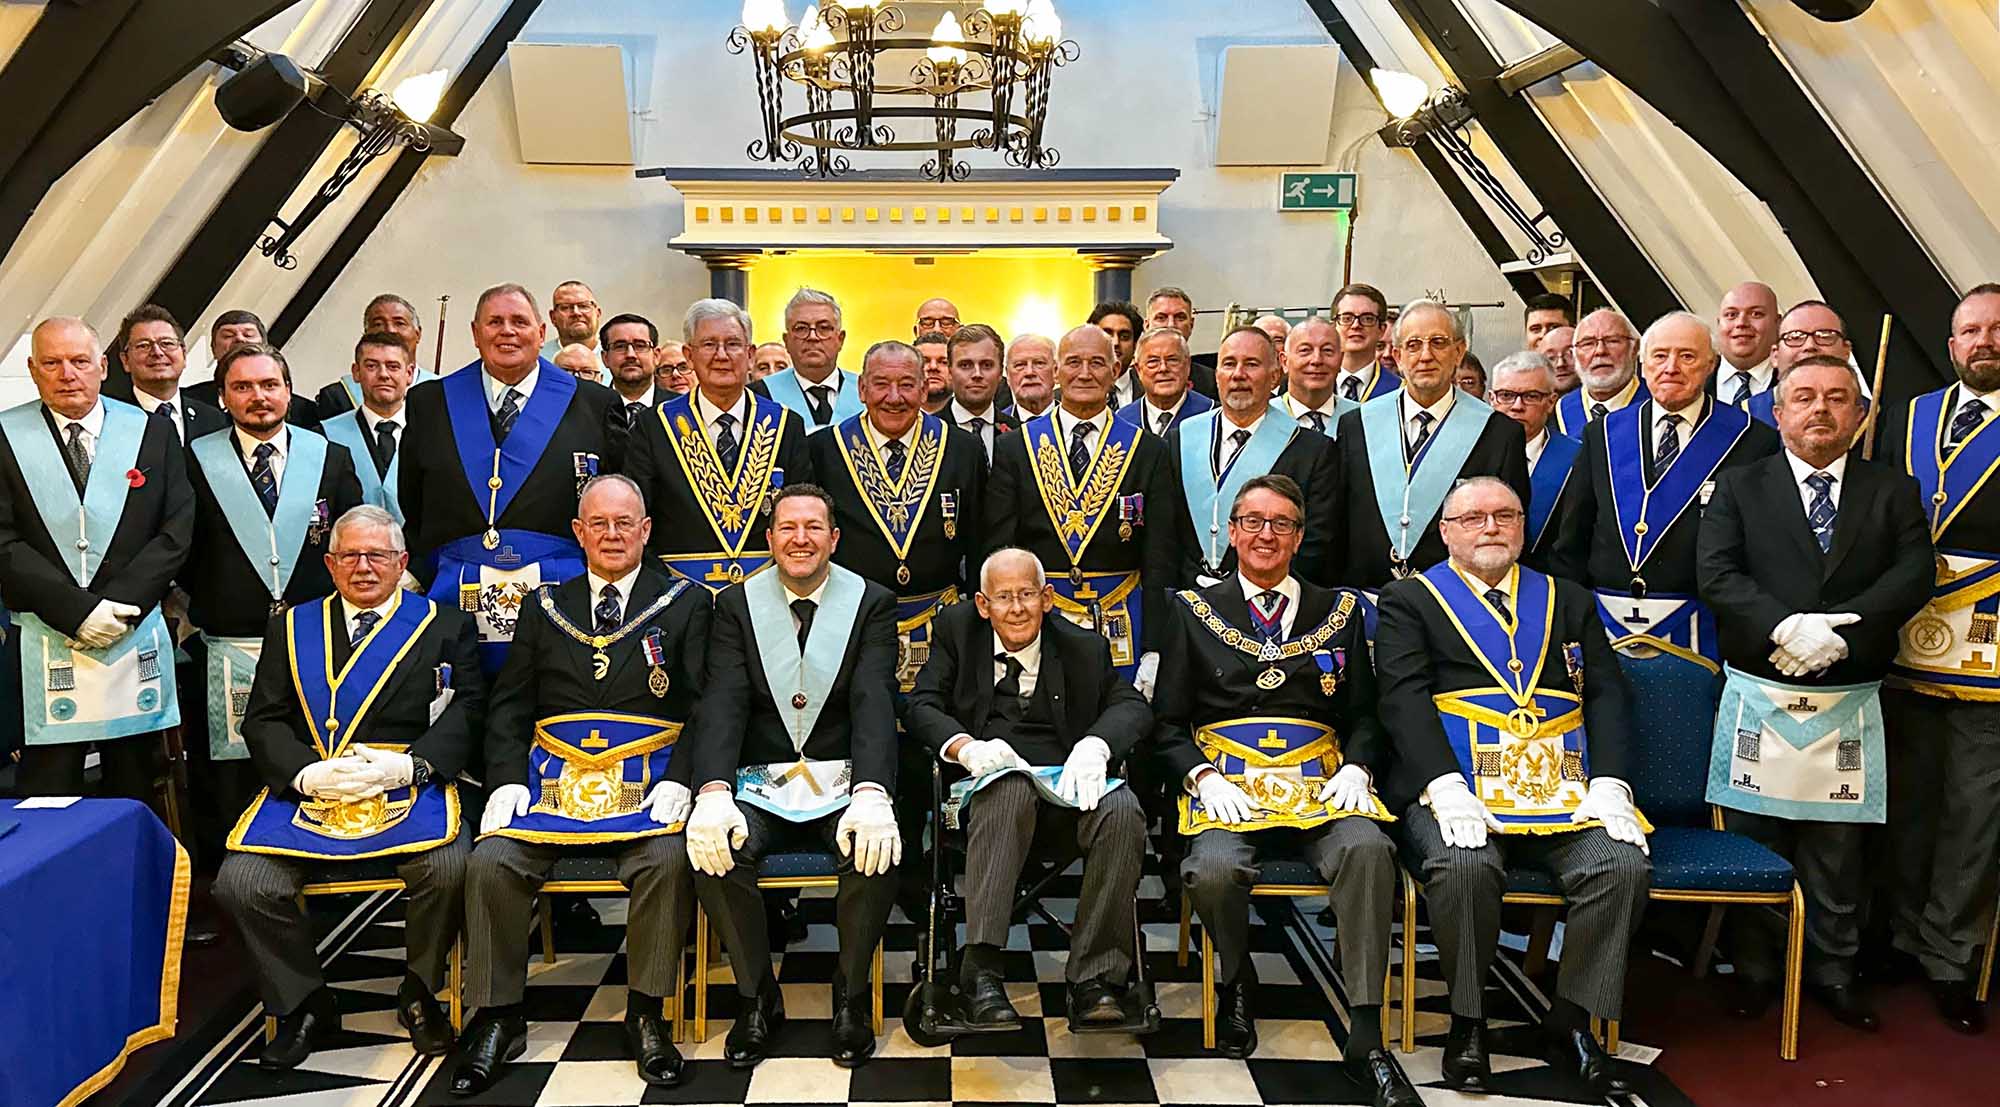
(1741, 379)
(1079, 450)
(1424, 420)
(1964, 423)
(264, 479)
(363, 623)
(1318, 420)
(726, 447)
(1269, 613)
(1669, 446)
(607, 610)
(503, 420)
(1351, 388)
(1820, 513)
(893, 464)
(1498, 599)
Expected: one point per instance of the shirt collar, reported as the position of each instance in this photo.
(374, 422)
(1438, 410)
(1508, 584)
(281, 441)
(815, 595)
(709, 411)
(1329, 409)
(93, 421)
(879, 440)
(1228, 429)
(833, 380)
(1154, 411)
(1618, 400)
(1066, 424)
(624, 584)
(1800, 470)
(1537, 444)
(1690, 415)
(650, 399)
(150, 403)
(1030, 655)
(382, 610)
(1288, 588)
(496, 391)
(960, 413)
(1990, 399)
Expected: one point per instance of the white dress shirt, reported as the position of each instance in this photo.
(1365, 376)
(1438, 411)
(1618, 401)
(1536, 445)
(150, 403)
(382, 611)
(1300, 409)
(1480, 587)
(624, 584)
(496, 391)
(371, 421)
(1760, 379)
(710, 413)
(1030, 657)
(1689, 416)
(92, 423)
(281, 441)
(880, 442)
(1990, 399)
(1801, 470)
(1223, 449)
(1126, 388)
(816, 595)
(1288, 588)
(1066, 427)
(960, 414)
(1151, 415)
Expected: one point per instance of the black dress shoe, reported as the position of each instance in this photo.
(1392, 1088)
(1464, 1066)
(1577, 1054)
(1847, 1006)
(488, 1046)
(1235, 1025)
(1747, 998)
(301, 1032)
(202, 931)
(652, 1045)
(418, 1012)
(1958, 1005)
(1096, 1003)
(853, 1033)
(750, 1039)
(983, 1003)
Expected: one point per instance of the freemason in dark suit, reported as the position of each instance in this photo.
(944, 488)
(1210, 468)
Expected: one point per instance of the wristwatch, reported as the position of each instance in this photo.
(420, 772)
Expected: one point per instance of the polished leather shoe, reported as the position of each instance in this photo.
(202, 932)
(1235, 1025)
(1959, 1006)
(1096, 1003)
(301, 1032)
(750, 1039)
(486, 1047)
(1464, 1065)
(1577, 1054)
(652, 1043)
(1391, 1087)
(1847, 1006)
(983, 1003)
(853, 1035)
(1747, 998)
(418, 1012)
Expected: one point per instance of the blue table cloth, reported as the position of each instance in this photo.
(93, 903)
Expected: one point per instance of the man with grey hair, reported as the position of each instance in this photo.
(395, 681)
(1401, 452)
(1606, 355)
(1160, 359)
(1033, 712)
(1524, 390)
(1313, 356)
(816, 388)
(1031, 376)
(711, 459)
(385, 313)
(489, 519)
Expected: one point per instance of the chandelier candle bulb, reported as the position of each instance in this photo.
(945, 36)
(765, 17)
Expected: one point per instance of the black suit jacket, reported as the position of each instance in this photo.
(1203, 681)
(739, 722)
(198, 416)
(1977, 525)
(1759, 563)
(1015, 516)
(1501, 451)
(332, 399)
(1086, 696)
(935, 562)
(549, 673)
(1590, 550)
(1309, 459)
(281, 740)
(1002, 422)
(440, 505)
(228, 593)
(680, 521)
(1419, 653)
(146, 550)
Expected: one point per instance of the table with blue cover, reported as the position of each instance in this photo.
(93, 903)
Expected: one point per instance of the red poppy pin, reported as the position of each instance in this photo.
(135, 478)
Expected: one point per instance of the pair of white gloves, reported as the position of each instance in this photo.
(666, 804)
(1808, 643)
(1349, 789)
(1084, 773)
(360, 773)
(107, 623)
(866, 832)
(1464, 821)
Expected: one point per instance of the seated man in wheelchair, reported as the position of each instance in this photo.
(364, 707)
(579, 757)
(1267, 718)
(1032, 709)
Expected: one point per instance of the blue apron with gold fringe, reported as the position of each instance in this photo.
(589, 773)
(336, 705)
(731, 503)
(801, 682)
(1106, 602)
(1951, 649)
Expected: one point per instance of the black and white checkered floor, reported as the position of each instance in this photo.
(576, 1052)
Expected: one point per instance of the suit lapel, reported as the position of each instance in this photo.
(1785, 494)
(1053, 681)
(1849, 517)
(976, 674)
(573, 600)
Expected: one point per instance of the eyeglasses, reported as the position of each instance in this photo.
(1477, 520)
(1438, 343)
(1365, 319)
(711, 346)
(1610, 342)
(603, 527)
(1507, 397)
(1826, 336)
(586, 305)
(148, 345)
(636, 346)
(1025, 597)
(813, 330)
(1282, 526)
(936, 322)
(348, 559)
(679, 370)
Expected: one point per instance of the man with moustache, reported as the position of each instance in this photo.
(1524, 390)
(673, 375)
(795, 747)
(1809, 329)
(573, 321)
(1120, 319)
(1031, 376)
(1314, 352)
(1361, 313)
(373, 433)
(1162, 364)
(602, 678)
(815, 388)
(1247, 436)
(1501, 764)
(508, 441)
(1559, 346)
(1606, 352)
(1267, 682)
(976, 353)
(1095, 500)
(934, 357)
(1944, 709)
(1747, 324)
(1168, 306)
(387, 313)
(711, 460)
(154, 353)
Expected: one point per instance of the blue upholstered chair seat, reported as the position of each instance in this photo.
(1694, 859)
(795, 865)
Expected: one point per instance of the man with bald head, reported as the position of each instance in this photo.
(1095, 500)
(574, 315)
(936, 314)
(1312, 362)
(85, 587)
(1605, 353)
(1747, 326)
(1031, 376)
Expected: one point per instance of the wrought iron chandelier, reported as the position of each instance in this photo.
(845, 56)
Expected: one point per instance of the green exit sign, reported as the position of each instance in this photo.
(1316, 192)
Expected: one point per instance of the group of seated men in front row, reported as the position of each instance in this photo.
(682, 645)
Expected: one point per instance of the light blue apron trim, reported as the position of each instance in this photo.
(746, 792)
(1410, 496)
(380, 490)
(1044, 777)
(786, 670)
(86, 532)
(785, 387)
(56, 717)
(232, 667)
(281, 536)
(1745, 706)
(1207, 497)
(1547, 482)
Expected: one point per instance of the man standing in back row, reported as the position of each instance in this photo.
(815, 388)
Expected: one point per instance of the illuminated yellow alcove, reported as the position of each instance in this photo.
(1014, 293)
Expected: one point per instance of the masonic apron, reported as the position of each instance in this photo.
(1799, 752)
(1107, 602)
(731, 502)
(800, 683)
(1951, 648)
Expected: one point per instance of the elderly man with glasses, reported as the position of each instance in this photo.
(815, 388)
(1605, 353)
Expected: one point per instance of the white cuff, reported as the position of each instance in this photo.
(947, 758)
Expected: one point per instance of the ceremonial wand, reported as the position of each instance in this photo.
(1875, 397)
(437, 352)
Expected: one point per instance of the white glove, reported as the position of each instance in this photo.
(1782, 634)
(1223, 800)
(106, 624)
(1148, 674)
(394, 770)
(715, 828)
(867, 832)
(1787, 663)
(344, 778)
(988, 756)
(668, 803)
(1610, 802)
(1082, 779)
(1461, 818)
(1347, 790)
(1815, 642)
(505, 804)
